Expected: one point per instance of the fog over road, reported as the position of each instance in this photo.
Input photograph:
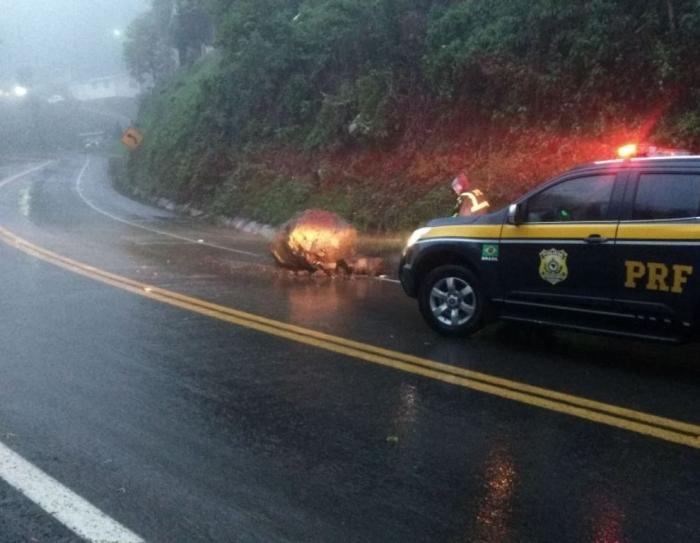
(162, 370)
(72, 37)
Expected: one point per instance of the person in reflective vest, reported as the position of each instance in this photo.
(469, 201)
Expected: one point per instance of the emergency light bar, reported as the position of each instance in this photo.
(644, 150)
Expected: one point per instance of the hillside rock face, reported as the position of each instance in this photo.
(315, 240)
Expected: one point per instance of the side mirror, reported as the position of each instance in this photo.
(516, 214)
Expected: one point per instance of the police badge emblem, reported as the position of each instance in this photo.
(553, 268)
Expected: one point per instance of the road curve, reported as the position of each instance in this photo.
(185, 426)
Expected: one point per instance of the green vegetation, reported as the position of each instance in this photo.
(369, 107)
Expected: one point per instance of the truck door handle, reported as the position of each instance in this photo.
(595, 239)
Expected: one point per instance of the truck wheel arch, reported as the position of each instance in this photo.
(443, 257)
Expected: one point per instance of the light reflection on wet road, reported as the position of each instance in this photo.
(221, 433)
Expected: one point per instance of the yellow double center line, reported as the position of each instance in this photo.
(619, 417)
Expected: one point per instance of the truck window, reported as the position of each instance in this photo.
(582, 199)
(667, 196)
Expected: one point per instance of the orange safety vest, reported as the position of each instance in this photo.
(473, 197)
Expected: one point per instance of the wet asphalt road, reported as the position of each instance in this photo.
(185, 428)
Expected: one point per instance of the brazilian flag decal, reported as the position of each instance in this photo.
(490, 252)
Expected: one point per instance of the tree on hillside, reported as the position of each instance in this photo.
(147, 53)
(335, 72)
(518, 56)
(191, 29)
(163, 13)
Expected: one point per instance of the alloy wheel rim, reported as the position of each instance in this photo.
(452, 301)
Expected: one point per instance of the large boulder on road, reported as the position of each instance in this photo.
(314, 240)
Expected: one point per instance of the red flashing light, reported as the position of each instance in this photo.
(628, 151)
(644, 150)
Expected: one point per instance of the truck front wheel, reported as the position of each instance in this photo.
(451, 300)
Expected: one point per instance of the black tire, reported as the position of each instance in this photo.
(464, 302)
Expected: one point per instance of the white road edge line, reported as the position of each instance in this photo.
(64, 505)
(61, 503)
(95, 207)
(25, 173)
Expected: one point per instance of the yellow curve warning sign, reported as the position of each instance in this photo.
(132, 138)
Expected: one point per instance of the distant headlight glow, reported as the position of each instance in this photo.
(20, 91)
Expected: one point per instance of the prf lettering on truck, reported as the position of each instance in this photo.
(658, 277)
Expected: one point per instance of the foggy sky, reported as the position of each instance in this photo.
(71, 37)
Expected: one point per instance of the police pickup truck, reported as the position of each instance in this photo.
(609, 247)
